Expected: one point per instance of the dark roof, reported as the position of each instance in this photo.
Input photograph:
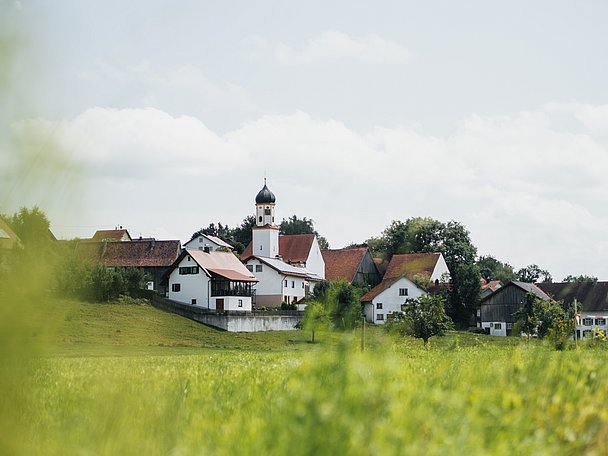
(342, 264)
(293, 248)
(382, 265)
(407, 265)
(525, 286)
(265, 196)
(114, 235)
(592, 295)
(144, 253)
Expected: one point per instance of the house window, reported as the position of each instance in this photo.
(509, 325)
(193, 301)
(188, 258)
(285, 283)
(587, 333)
(402, 291)
(293, 284)
(600, 322)
(240, 303)
(379, 316)
(302, 284)
(497, 326)
(261, 247)
(188, 270)
(201, 240)
(587, 321)
(258, 268)
(176, 287)
(250, 267)
(378, 305)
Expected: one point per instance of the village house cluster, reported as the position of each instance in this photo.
(278, 270)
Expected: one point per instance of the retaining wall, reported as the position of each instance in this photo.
(233, 322)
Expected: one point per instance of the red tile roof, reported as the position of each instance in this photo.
(407, 265)
(144, 253)
(293, 248)
(342, 264)
(115, 235)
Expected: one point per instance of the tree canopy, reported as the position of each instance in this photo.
(423, 318)
(295, 225)
(426, 235)
(492, 269)
(32, 226)
(533, 273)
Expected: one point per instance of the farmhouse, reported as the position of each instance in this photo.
(286, 267)
(408, 276)
(355, 266)
(212, 280)
(151, 255)
(496, 312)
(118, 234)
(591, 300)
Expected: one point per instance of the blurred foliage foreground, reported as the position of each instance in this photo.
(483, 400)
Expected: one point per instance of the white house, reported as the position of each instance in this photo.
(591, 300)
(408, 276)
(212, 280)
(286, 267)
(202, 241)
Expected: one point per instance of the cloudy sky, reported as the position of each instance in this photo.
(164, 116)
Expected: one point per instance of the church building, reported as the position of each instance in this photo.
(286, 267)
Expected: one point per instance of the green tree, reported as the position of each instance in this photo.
(492, 269)
(32, 226)
(343, 302)
(295, 225)
(315, 318)
(538, 317)
(580, 279)
(426, 235)
(423, 318)
(532, 274)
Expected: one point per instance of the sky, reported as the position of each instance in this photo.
(164, 116)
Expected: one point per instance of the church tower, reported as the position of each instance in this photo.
(265, 242)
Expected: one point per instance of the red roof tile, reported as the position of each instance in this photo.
(114, 235)
(144, 253)
(293, 248)
(342, 264)
(407, 265)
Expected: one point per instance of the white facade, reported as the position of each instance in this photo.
(390, 300)
(265, 241)
(201, 241)
(441, 271)
(496, 328)
(590, 321)
(190, 284)
(275, 282)
(315, 262)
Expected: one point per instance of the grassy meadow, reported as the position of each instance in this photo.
(130, 379)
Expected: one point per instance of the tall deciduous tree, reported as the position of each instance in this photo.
(532, 274)
(426, 235)
(295, 225)
(492, 269)
(32, 226)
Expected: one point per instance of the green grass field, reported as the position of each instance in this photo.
(130, 379)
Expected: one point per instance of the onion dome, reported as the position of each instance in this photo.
(265, 196)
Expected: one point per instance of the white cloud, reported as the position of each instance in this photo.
(333, 46)
(527, 191)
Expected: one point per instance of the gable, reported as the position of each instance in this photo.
(342, 264)
(293, 248)
(8, 238)
(389, 286)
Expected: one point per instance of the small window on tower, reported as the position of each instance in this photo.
(260, 219)
(266, 211)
